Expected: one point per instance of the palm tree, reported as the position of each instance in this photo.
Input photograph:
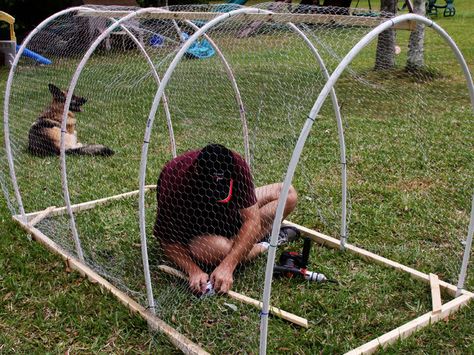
(385, 55)
(415, 58)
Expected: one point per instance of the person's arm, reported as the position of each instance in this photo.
(222, 276)
(179, 254)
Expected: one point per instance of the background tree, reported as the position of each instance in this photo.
(385, 55)
(415, 58)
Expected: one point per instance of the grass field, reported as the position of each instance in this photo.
(410, 149)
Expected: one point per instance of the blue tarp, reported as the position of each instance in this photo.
(200, 49)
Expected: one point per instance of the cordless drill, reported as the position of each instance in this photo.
(293, 264)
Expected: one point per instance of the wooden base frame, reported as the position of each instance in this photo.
(178, 339)
(440, 311)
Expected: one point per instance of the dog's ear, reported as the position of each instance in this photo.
(81, 100)
(56, 92)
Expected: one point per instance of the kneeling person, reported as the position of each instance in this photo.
(209, 212)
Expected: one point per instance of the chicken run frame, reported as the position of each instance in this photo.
(28, 219)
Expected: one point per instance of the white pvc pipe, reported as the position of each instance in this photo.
(238, 97)
(165, 80)
(305, 132)
(155, 105)
(231, 77)
(141, 200)
(64, 179)
(6, 116)
(156, 101)
(340, 131)
(467, 252)
(178, 30)
(144, 246)
(246, 145)
(65, 184)
(170, 127)
(75, 78)
(157, 79)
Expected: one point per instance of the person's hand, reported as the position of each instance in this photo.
(222, 278)
(198, 282)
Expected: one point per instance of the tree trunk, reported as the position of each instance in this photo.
(385, 55)
(415, 59)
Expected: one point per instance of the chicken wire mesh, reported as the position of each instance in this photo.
(403, 179)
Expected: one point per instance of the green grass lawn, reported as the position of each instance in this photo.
(410, 167)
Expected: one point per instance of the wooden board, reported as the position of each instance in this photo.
(237, 296)
(57, 211)
(367, 255)
(435, 293)
(40, 216)
(178, 339)
(344, 20)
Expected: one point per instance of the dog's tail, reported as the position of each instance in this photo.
(91, 149)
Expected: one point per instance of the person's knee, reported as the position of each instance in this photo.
(210, 249)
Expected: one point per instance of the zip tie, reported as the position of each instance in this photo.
(271, 245)
(146, 142)
(309, 118)
(264, 314)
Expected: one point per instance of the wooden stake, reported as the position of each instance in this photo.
(245, 299)
(435, 293)
(178, 339)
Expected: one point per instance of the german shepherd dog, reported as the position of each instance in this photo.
(44, 138)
